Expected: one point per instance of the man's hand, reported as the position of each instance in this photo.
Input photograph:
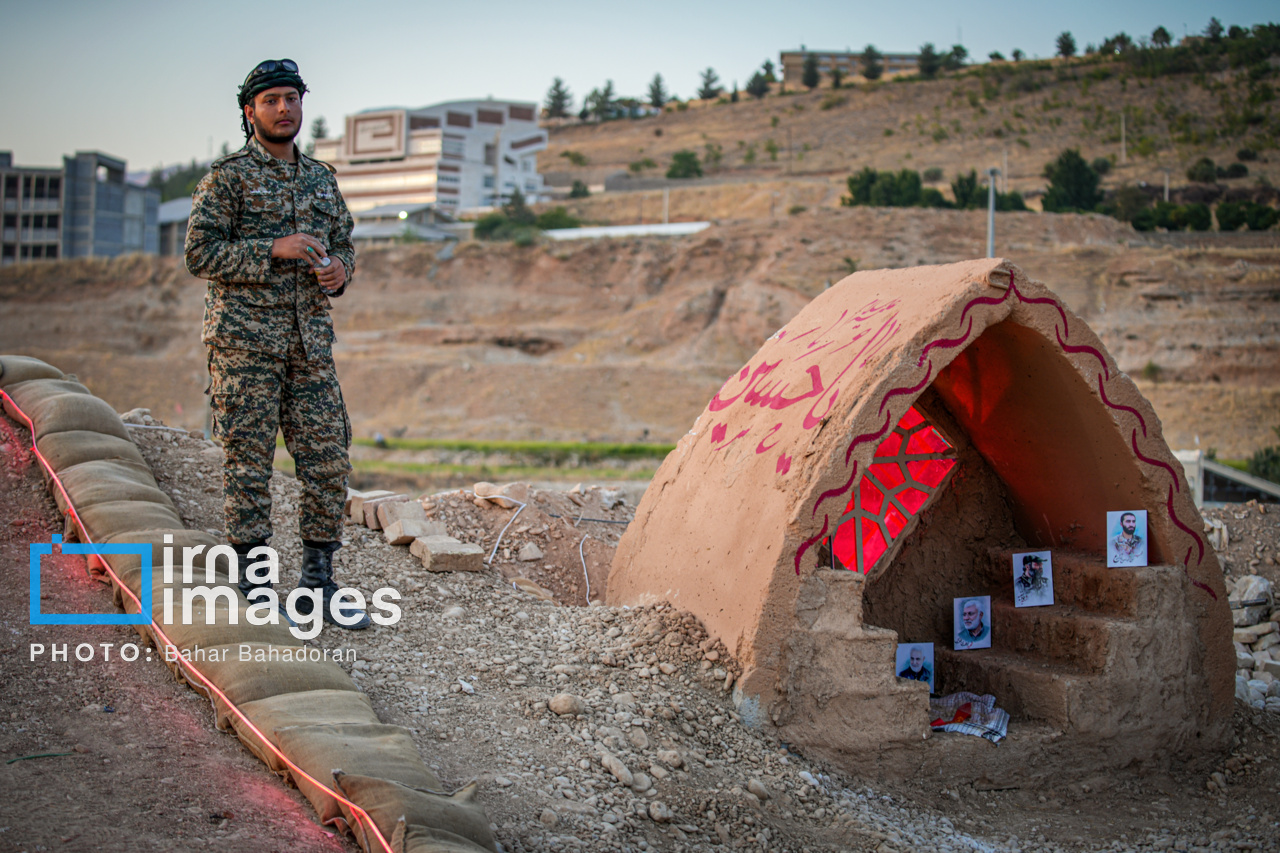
(333, 276)
(295, 246)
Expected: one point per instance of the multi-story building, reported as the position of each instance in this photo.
(105, 215)
(31, 205)
(849, 63)
(460, 155)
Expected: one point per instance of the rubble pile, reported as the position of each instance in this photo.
(1257, 641)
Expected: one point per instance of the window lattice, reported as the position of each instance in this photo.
(907, 469)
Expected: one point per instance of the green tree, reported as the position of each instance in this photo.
(600, 103)
(559, 102)
(579, 190)
(810, 76)
(871, 62)
(1018, 55)
(1073, 184)
(557, 217)
(955, 59)
(1230, 215)
(929, 63)
(517, 211)
(1066, 45)
(684, 164)
(769, 76)
(1214, 30)
(757, 86)
(967, 192)
(657, 92)
(1160, 37)
(837, 77)
(1203, 171)
(995, 56)
(1261, 217)
(710, 86)
(1118, 43)
(1266, 462)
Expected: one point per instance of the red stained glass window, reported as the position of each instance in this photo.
(908, 468)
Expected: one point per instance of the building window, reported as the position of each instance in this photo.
(526, 165)
(51, 251)
(454, 148)
(530, 187)
(51, 221)
(9, 250)
(488, 182)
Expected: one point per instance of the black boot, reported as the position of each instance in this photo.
(317, 573)
(249, 588)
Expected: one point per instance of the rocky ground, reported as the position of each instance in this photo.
(597, 728)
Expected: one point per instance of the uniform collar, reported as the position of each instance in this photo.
(264, 156)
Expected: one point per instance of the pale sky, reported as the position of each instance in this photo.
(154, 82)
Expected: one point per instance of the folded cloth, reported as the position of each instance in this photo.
(969, 714)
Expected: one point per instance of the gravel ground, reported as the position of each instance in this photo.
(599, 728)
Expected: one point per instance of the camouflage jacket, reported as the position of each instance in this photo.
(254, 301)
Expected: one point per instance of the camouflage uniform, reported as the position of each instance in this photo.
(270, 338)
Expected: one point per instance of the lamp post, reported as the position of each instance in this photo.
(991, 211)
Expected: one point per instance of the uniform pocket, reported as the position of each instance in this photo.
(230, 417)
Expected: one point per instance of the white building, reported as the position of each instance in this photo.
(459, 155)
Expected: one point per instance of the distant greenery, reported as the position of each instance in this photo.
(870, 188)
(1266, 462)
(1232, 215)
(548, 452)
(1073, 184)
(871, 63)
(1173, 217)
(684, 164)
(658, 95)
(809, 76)
(559, 101)
(929, 62)
(519, 224)
(579, 190)
(577, 158)
(710, 85)
(179, 184)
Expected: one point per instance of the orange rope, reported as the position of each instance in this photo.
(361, 815)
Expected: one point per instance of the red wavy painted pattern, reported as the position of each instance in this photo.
(1187, 530)
(1138, 453)
(928, 374)
(868, 436)
(1084, 349)
(835, 493)
(809, 542)
(1102, 392)
(953, 342)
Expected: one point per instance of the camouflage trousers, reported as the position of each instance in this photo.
(254, 395)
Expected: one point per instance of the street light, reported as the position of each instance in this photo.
(991, 211)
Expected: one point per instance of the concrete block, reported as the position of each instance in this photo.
(398, 511)
(355, 502)
(446, 554)
(403, 531)
(1266, 641)
(1272, 666)
(1252, 634)
(371, 509)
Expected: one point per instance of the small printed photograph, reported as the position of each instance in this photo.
(973, 622)
(1127, 538)
(1033, 579)
(915, 661)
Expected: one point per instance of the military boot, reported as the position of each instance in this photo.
(317, 573)
(249, 588)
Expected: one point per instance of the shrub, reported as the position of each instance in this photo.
(1101, 165)
(488, 225)
(1235, 170)
(796, 208)
(1130, 201)
(1203, 172)
(1246, 154)
(1144, 220)
(932, 174)
(1073, 184)
(1266, 462)
(684, 164)
(1260, 217)
(557, 217)
(1230, 215)
(579, 190)
(1197, 217)
(638, 166)
(832, 100)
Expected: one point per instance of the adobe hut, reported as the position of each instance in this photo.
(886, 452)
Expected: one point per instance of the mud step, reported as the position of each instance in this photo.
(1083, 580)
(1025, 686)
(1061, 633)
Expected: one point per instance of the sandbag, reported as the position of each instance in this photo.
(67, 412)
(365, 749)
(106, 522)
(411, 838)
(129, 566)
(101, 480)
(387, 802)
(20, 368)
(27, 395)
(280, 671)
(314, 707)
(201, 635)
(65, 449)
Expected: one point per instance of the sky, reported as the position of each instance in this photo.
(155, 82)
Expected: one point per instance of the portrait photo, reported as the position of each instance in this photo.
(915, 661)
(973, 622)
(1127, 538)
(1032, 579)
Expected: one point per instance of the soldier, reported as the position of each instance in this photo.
(271, 233)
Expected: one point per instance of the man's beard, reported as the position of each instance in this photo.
(274, 139)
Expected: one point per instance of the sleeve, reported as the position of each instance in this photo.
(212, 250)
(340, 240)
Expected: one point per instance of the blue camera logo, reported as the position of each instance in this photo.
(37, 618)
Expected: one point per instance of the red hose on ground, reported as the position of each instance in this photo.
(189, 668)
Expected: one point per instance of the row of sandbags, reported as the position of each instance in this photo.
(306, 710)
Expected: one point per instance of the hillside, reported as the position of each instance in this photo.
(1026, 112)
(626, 340)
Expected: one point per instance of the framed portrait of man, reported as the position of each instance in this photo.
(973, 622)
(915, 661)
(1127, 538)
(1033, 579)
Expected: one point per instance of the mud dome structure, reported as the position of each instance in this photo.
(888, 451)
